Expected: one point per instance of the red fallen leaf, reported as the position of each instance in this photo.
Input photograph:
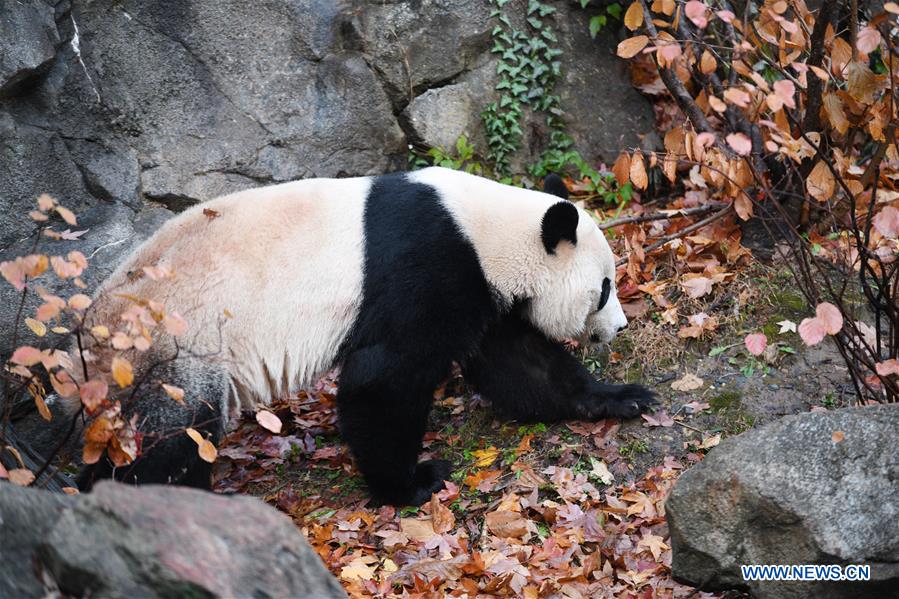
(756, 343)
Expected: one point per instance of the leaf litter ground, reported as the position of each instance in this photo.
(569, 510)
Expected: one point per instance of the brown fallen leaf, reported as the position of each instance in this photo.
(688, 382)
(506, 524)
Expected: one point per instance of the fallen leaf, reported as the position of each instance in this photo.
(787, 326)
(417, 530)
(696, 286)
(756, 343)
(268, 421)
(661, 418)
(506, 524)
(688, 382)
(359, 569)
(600, 471)
(838, 436)
(442, 517)
(485, 457)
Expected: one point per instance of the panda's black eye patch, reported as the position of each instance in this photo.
(606, 291)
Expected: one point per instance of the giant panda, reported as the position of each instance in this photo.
(393, 278)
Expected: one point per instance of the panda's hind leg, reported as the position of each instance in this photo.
(383, 403)
(168, 455)
(528, 377)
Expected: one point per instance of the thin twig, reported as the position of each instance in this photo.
(642, 218)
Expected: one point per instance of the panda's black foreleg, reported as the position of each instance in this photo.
(383, 403)
(528, 377)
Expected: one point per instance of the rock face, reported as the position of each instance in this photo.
(153, 541)
(792, 492)
(120, 108)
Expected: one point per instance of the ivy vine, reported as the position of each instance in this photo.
(528, 69)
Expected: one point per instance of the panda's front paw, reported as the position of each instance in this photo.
(620, 401)
(430, 476)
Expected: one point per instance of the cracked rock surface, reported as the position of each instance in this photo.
(133, 109)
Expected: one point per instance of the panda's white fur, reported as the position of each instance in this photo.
(274, 281)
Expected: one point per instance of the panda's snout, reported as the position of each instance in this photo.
(622, 327)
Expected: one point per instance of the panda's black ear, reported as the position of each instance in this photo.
(554, 185)
(559, 222)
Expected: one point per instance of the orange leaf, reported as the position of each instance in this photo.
(632, 46)
(638, 171)
(621, 169)
(441, 516)
(820, 182)
(176, 393)
(122, 372)
(67, 215)
(633, 18)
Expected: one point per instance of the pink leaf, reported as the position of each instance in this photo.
(695, 11)
(785, 91)
(830, 318)
(811, 330)
(174, 324)
(268, 421)
(26, 356)
(697, 286)
(868, 39)
(756, 343)
(741, 144)
(887, 367)
(726, 15)
(92, 393)
(887, 222)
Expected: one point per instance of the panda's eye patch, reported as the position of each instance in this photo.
(604, 296)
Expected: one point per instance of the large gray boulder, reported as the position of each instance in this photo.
(153, 541)
(815, 488)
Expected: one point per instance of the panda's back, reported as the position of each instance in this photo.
(269, 280)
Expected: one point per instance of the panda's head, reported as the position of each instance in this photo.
(577, 299)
